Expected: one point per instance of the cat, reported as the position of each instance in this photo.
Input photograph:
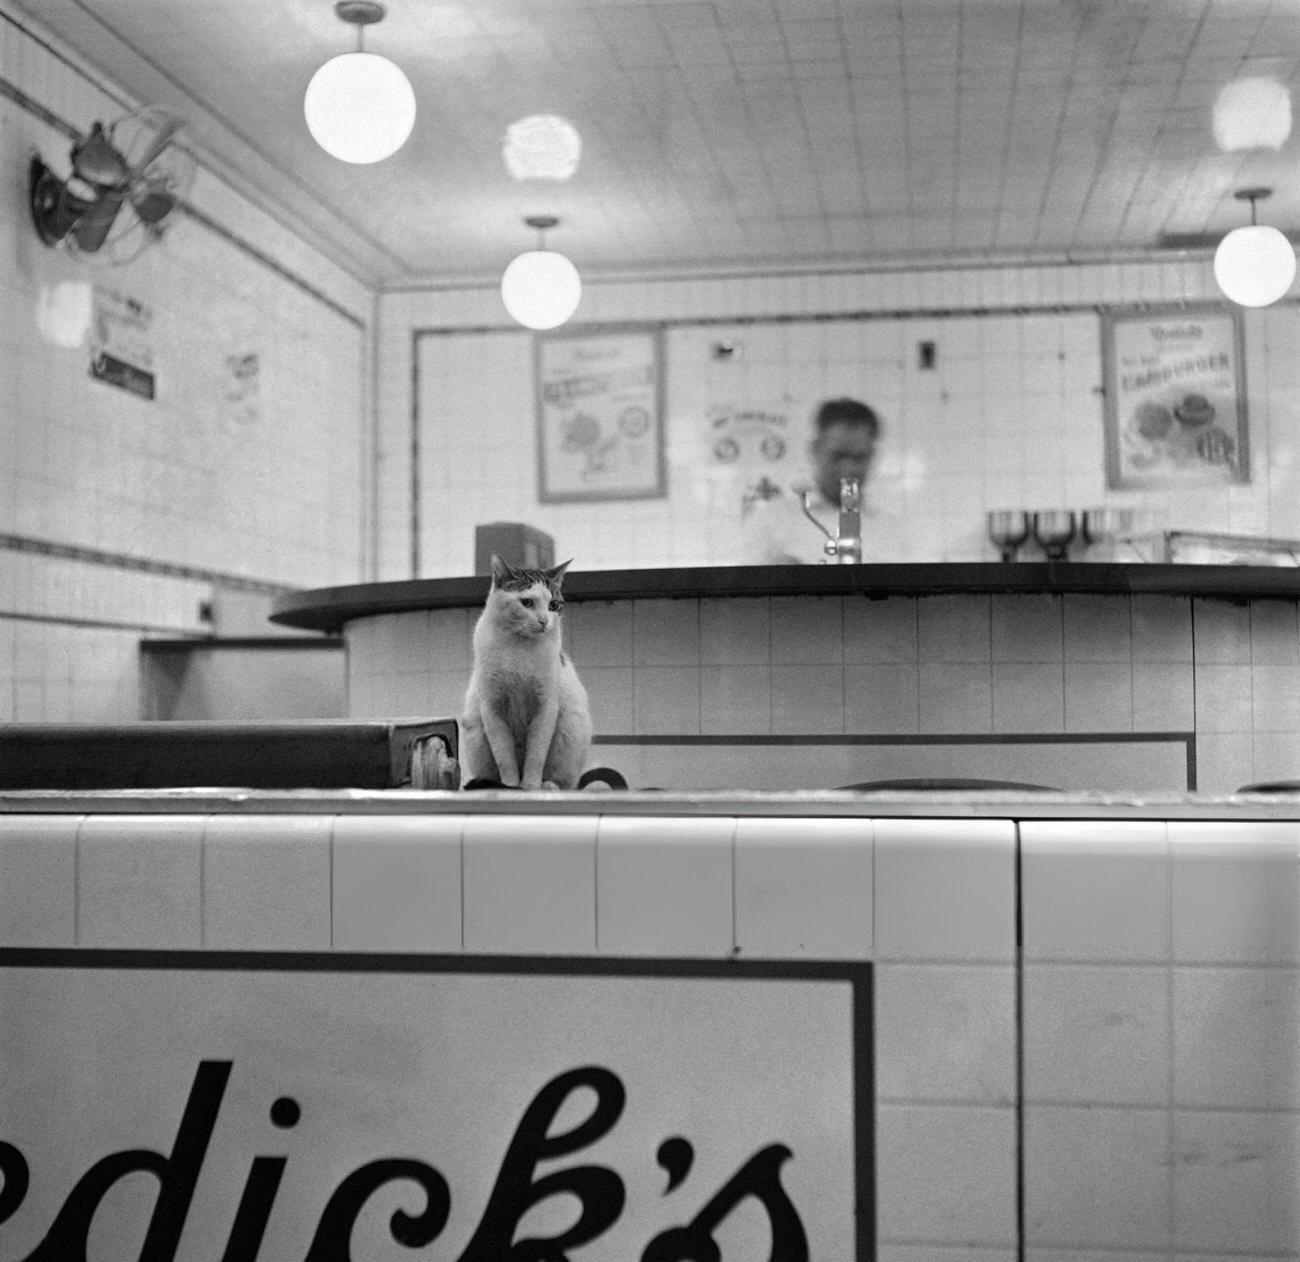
(526, 721)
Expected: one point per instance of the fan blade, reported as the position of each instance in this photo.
(92, 228)
(166, 131)
(153, 205)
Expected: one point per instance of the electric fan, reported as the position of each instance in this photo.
(126, 180)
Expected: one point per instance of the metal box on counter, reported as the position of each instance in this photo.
(1190, 547)
(524, 547)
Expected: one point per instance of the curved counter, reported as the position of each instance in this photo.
(331, 608)
(1130, 678)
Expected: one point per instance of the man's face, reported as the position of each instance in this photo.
(842, 450)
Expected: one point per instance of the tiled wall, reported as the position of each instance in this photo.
(976, 667)
(119, 516)
(1010, 417)
(1104, 1015)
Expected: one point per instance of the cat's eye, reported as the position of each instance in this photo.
(526, 601)
(556, 605)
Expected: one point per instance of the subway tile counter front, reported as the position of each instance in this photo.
(785, 1025)
(1096, 677)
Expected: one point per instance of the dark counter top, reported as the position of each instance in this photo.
(330, 608)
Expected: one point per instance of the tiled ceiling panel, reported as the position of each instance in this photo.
(729, 134)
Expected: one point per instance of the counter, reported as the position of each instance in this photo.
(1118, 677)
(1047, 1025)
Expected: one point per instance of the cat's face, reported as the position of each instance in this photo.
(526, 602)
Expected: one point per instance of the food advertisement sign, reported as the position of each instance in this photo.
(184, 1107)
(600, 433)
(121, 348)
(1175, 398)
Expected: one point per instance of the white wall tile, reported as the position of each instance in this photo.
(530, 883)
(945, 1033)
(1235, 1179)
(880, 630)
(38, 880)
(1095, 889)
(665, 632)
(955, 697)
(397, 883)
(1097, 629)
(1237, 1037)
(665, 885)
(1096, 1035)
(138, 881)
(945, 889)
(804, 887)
(666, 700)
(736, 699)
(807, 630)
(1096, 1177)
(1236, 891)
(266, 882)
(946, 1174)
(735, 631)
(1027, 629)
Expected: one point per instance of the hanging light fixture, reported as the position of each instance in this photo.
(541, 288)
(541, 147)
(1254, 265)
(360, 107)
(1252, 113)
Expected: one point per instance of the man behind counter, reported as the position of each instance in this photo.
(776, 531)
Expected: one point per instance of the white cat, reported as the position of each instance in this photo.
(526, 721)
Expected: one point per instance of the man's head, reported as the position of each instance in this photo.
(843, 444)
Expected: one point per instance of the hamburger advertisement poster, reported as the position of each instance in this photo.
(1175, 398)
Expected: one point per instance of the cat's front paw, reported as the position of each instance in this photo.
(531, 782)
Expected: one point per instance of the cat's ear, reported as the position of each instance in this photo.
(556, 575)
(500, 570)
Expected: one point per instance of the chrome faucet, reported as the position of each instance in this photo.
(846, 546)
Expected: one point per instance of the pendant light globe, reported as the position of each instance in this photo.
(541, 288)
(360, 107)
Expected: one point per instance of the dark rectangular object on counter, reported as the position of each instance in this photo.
(524, 547)
(330, 754)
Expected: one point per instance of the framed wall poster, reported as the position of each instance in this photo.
(600, 429)
(1175, 397)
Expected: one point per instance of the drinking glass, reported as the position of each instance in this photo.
(1008, 529)
(1054, 528)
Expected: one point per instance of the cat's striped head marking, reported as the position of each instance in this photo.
(529, 601)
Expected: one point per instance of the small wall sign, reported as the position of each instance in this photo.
(121, 350)
(600, 427)
(1175, 398)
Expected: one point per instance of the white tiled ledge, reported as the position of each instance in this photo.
(711, 886)
(833, 803)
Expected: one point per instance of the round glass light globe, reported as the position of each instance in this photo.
(541, 289)
(542, 147)
(1253, 113)
(1254, 265)
(360, 107)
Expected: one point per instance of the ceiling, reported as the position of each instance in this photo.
(729, 135)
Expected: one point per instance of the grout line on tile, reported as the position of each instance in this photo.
(1018, 1020)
